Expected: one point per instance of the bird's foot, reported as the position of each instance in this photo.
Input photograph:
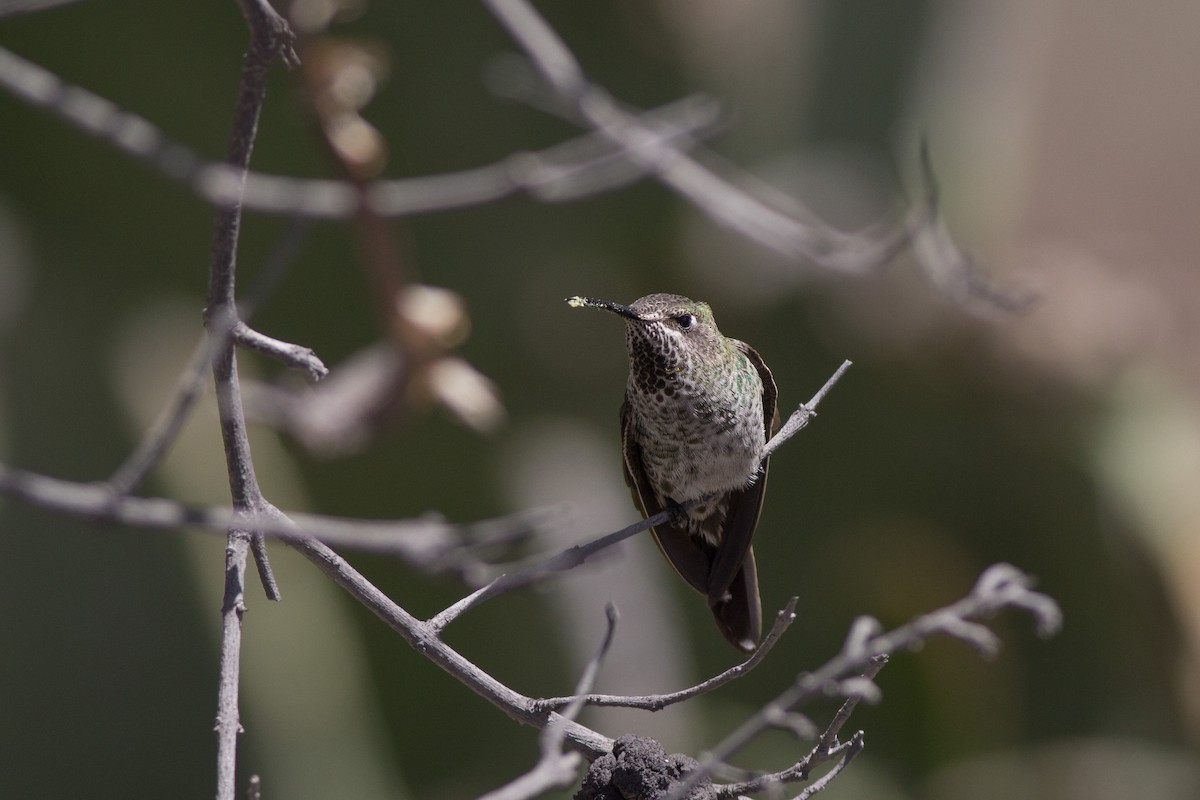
(678, 514)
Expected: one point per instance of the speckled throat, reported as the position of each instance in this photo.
(696, 406)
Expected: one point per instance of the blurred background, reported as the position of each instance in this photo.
(1065, 440)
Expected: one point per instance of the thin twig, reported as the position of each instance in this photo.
(162, 434)
(228, 721)
(293, 355)
(849, 750)
(826, 748)
(802, 415)
(657, 702)
(189, 385)
(724, 201)
(428, 543)
(567, 559)
(829, 738)
(557, 769)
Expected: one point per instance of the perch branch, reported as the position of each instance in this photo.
(848, 750)
(567, 559)
(802, 415)
(577, 554)
(1001, 586)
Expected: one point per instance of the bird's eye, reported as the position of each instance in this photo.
(686, 321)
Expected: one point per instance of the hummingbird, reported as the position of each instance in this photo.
(698, 409)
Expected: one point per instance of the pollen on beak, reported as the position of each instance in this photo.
(591, 302)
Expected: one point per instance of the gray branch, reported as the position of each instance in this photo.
(827, 747)
(428, 543)
(424, 639)
(557, 769)
(293, 355)
(800, 418)
(577, 168)
(1000, 586)
(727, 203)
(620, 146)
(270, 38)
(657, 702)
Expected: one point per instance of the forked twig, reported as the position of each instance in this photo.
(269, 38)
(1000, 586)
(557, 769)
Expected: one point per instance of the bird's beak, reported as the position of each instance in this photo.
(591, 302)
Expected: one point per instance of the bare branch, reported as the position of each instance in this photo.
(849, 750)
(657, 702)
(827, 746)
(262, 565)
(548, 52)
(429, 543)
(424, 639)
(271, 32)
(738, 201)
(1000, 586)
(727, 203)
(801, 416)
(270, 37)
(228, 722)
(631, 146)
(563, 561)
(557, 769)
(293, 355)
(579, 167)
(159, 437)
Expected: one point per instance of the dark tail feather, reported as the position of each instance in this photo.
(739, 614)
